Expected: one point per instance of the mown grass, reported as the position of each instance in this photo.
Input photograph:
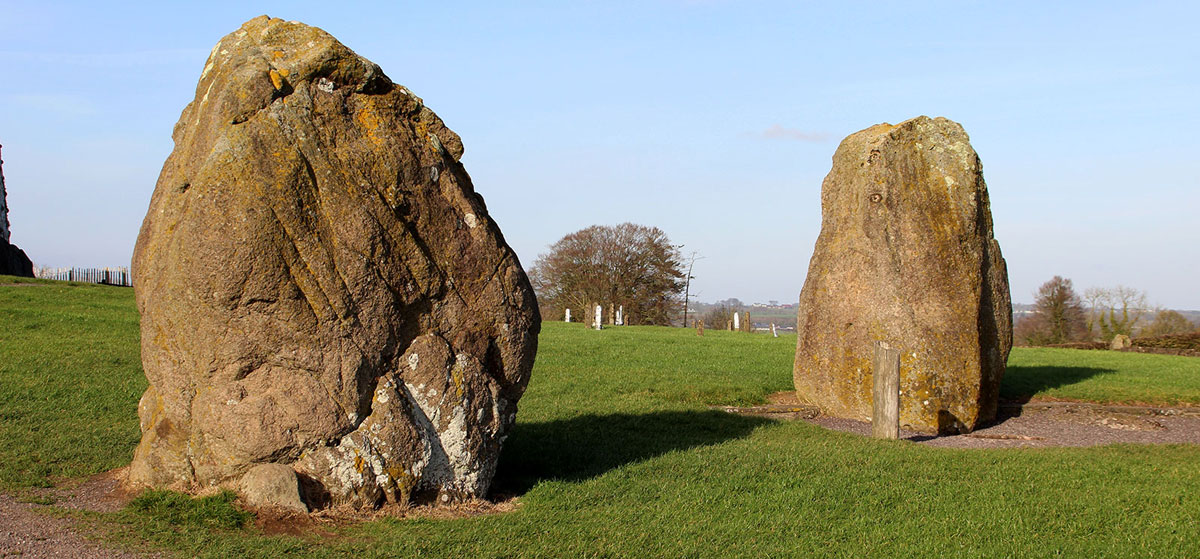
(615, 454)
(70, 379)
(1101, 376)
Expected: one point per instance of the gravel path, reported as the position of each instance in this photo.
(27, 531)
(1043, 424)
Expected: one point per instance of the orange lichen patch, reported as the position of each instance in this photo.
(370, 121)
(276, 79)
(456, 376)
(277, 55)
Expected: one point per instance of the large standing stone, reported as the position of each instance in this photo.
(321, 287)
(906, 256)
(13, 260)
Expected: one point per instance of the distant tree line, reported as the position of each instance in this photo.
(1060, 315)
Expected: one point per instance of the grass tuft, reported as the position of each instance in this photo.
(214, 512)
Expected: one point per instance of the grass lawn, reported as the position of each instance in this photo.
(1101, 376)
(615, 454)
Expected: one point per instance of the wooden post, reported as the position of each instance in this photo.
(885, 393)
(773, 332)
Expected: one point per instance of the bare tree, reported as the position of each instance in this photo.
(1094, 298)
(687, 286)
(628, 264)
(1118, 310)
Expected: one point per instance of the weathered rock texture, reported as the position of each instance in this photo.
(13, 260)
(320, 286)
(906, 256)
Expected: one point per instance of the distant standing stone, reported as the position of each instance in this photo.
(568, 316)
(321, 287)
(1121, 341)
(906, 256)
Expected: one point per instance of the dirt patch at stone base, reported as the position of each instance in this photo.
(31, 530)
(1042, 424)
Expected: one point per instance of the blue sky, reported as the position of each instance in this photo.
(713, 120)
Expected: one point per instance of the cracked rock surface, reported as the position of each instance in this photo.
(320, 286)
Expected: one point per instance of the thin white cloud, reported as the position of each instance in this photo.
(778, 132)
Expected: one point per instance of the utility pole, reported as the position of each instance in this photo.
(687, 286)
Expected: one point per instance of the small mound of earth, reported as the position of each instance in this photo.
(1030, 424)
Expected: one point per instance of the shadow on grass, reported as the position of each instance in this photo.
(1021, 384)
(587, 446)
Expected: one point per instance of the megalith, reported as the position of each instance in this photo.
(321, 287)
(13, 260)
(906, 256)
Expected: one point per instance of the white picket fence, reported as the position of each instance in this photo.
(107, 276)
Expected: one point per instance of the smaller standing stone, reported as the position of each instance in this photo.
(906, 254)
(1121, 341)
(699, 327)
(598, 317)
(737, 325)
(272, 486)
(568, 318)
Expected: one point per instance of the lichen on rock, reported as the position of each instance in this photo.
(320, 286)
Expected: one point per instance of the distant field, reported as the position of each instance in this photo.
(615, 454)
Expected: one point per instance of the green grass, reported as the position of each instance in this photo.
(70, 379)
(1102, 376)
(173, 509)
(615, 454)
